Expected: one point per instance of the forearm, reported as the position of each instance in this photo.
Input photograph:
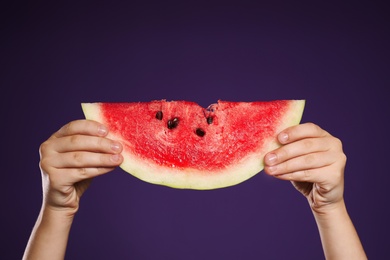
(338, 234)
(49, 237)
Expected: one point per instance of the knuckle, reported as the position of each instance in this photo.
(284, 167)
(100, 142)
(78, 158)
(105, 159)
(310, 124)
(309, 160)
(46, 159)
(315, 129)
(82, 171)
(67, 128)
(302, 176)
(74, 139)
(306, 174)
(343, 158)
(308, 143)
(338, 143)
(337, 146)
(43, 164)
(90, 126)
(282, 154)
(44, 147)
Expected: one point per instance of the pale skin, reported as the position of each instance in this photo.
(309, 157)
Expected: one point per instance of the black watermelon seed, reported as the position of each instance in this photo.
(159, 115)
(209, 120)
(173, 123)
(200, 132)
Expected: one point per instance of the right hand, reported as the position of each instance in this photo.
(70, 158)
(314, 161)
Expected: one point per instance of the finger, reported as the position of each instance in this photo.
(303, 163)
(317, 175)
(74, 175)
(84, 127)
(81, 159)
(323, 178)
(298, 148)
(79, 174)
(86, 143)
(299, 132)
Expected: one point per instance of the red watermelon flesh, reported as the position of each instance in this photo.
(182, 145)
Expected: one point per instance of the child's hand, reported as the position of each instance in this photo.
(70, 158)
(313, 160)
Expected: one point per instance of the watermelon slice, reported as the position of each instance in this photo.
(182, 145)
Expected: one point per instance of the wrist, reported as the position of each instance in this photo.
(52, 205)
(58, 215)
(326, 209)
(331, 213)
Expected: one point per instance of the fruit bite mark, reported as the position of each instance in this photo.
(163, 132)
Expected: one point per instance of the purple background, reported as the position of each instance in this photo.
(55, 56)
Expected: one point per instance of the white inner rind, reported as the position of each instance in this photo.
(189, 178)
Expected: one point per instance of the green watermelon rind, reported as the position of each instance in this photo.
(190, 178)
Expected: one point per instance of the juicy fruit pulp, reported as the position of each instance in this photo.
(182, 145)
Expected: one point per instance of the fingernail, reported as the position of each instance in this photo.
(271, 158)
(116, 147)
(272, 169)
(115, 157)
(283, 137)
(102, 130)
